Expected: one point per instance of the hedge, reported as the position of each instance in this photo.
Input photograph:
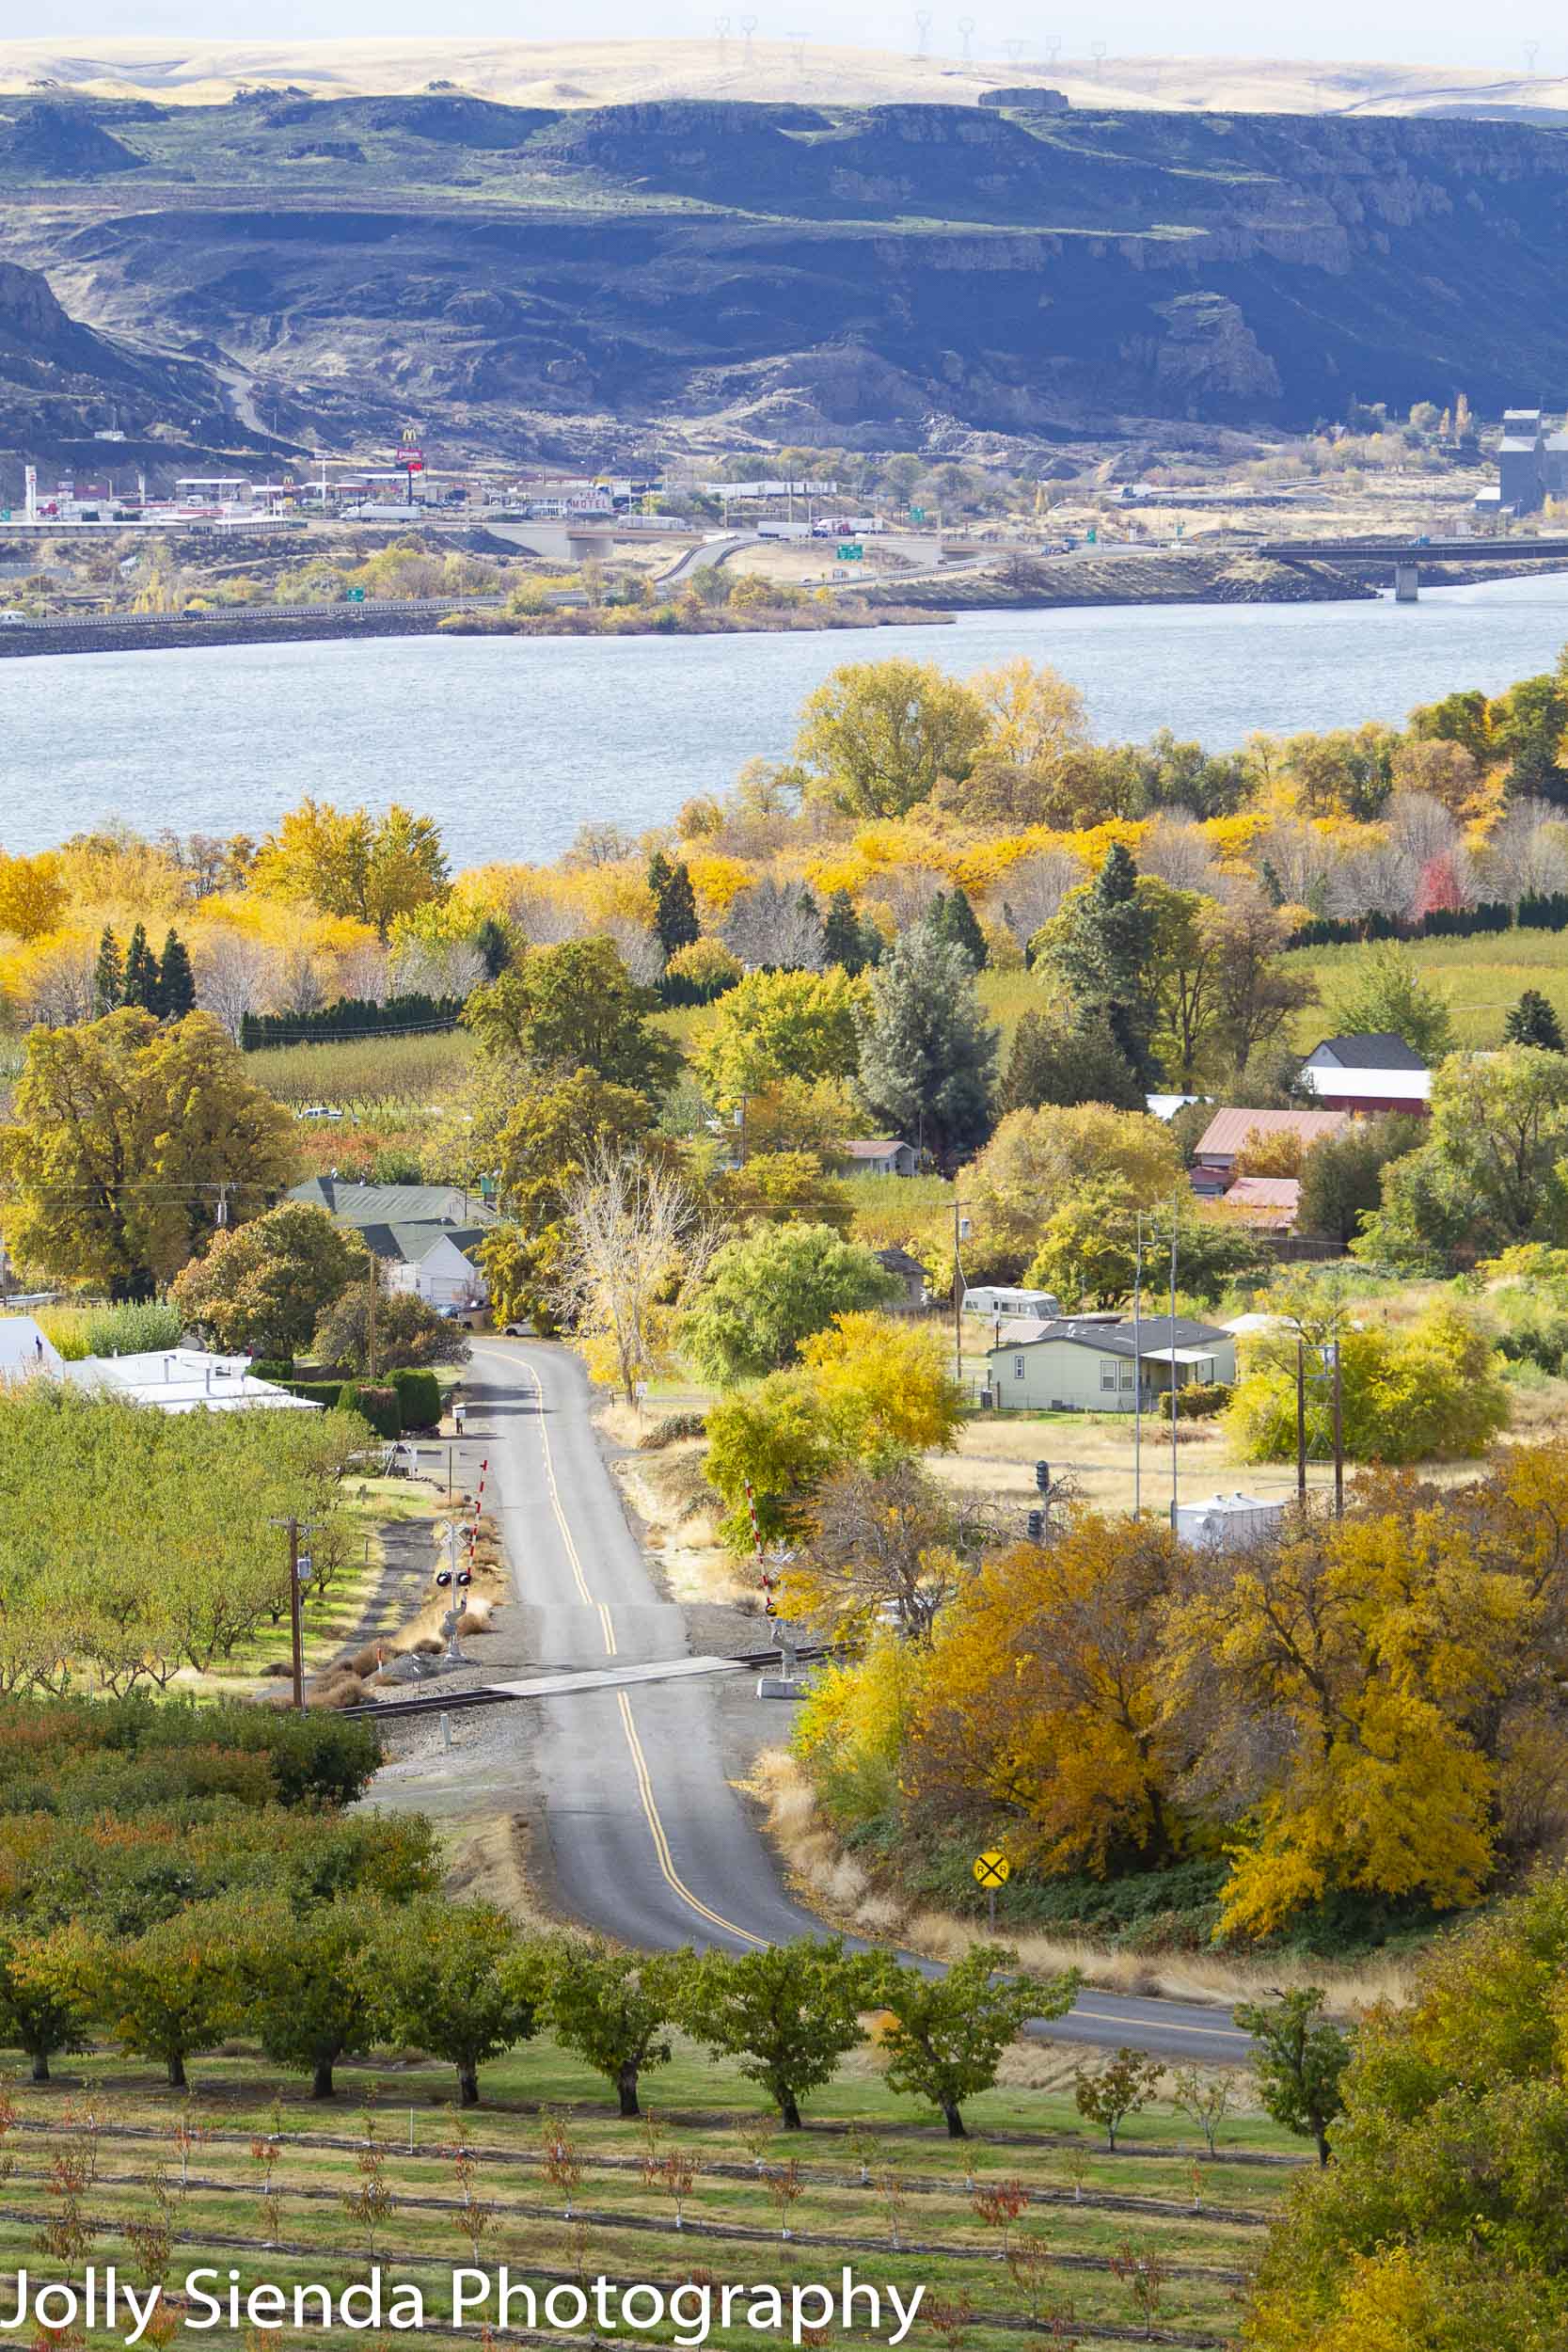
(327, 1392)
(418, 1396)
(1538, 911)
(377, 1406)
(351, 1016)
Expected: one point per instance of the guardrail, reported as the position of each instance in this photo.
(229, 612)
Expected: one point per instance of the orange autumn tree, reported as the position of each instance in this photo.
(1044, 1708)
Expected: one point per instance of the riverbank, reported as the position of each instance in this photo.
(255, 625)
(1097, 581)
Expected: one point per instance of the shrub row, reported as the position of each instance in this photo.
(407, 1400)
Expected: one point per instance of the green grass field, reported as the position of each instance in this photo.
(1482, 979)
(876, 2186)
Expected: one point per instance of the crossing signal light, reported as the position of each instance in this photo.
(1042, 1477)
(465, 1575)
(443, 1577)
(1037, 1526)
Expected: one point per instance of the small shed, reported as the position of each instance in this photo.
(879, 1155)
(1228, 1522)
(913, 1275)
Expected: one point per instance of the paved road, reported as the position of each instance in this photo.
(649, 1842)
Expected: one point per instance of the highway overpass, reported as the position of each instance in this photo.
(1404, 557)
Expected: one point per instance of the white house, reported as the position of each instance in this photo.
(1371, 1073)
(437, 1264)
(1001, 1299)
(1089, 1364)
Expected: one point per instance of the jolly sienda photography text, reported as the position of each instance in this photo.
(216, 2302)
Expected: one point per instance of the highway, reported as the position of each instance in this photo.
(648, 1841)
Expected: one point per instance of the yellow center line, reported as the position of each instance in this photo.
(661, 1843)
(640, 1763)
(1101, 2017)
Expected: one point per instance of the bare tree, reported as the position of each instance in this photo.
(57, 991)
(1034, 889)
(234, 975)
(600, 843)
(640, 950)
(1421, 826)
(1527, 854)
(891, 1541)
(907, 892)
(300, 987)
(775, 925)
(1379, 880)
(419, 968)
(1176, 850)
(636, 1243)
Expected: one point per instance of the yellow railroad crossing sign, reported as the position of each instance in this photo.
(992, 1870)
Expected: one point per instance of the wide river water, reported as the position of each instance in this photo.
(512, 742)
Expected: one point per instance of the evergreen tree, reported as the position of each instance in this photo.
(927, 1055)
(176, 981)
(140, 984)
(843, 936)
(675, 904)
(108, 976)
(953, 919)
(1532, 1021)
(494, 942)
(1103, 945)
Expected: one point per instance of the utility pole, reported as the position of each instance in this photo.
(297, 1561)
(1173, 1475)
(1301, 1426)
(1339, 1439)
(960, 1229)
(1137, 1366)
(369, 1320)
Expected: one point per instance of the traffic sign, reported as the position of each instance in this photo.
(917, 514)
(850, 551)
(357, 595)
(992, 1870)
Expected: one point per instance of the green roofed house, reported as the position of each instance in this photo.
(1088, 1363)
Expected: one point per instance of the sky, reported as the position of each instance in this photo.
(1495, 39)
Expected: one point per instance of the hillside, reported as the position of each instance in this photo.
(565, 72)
(577, 281)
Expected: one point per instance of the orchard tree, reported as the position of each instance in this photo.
(614, 2009)
(170, 1993)
(771, 1289)
(876, 735)
(453, 1980)
(928, 1055)
(305, 1994)
(42, 2009)
(787, 2014)
(1299, 2060)
(1108, 2093)
(263, 1286)
(125, 1138)
(947, 2033)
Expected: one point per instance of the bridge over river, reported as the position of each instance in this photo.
(1404, 557)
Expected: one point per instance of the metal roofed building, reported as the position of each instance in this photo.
(395, 1204)
(1224, 1138)
(1377, 1071)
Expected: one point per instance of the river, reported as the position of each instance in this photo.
(512, 742)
